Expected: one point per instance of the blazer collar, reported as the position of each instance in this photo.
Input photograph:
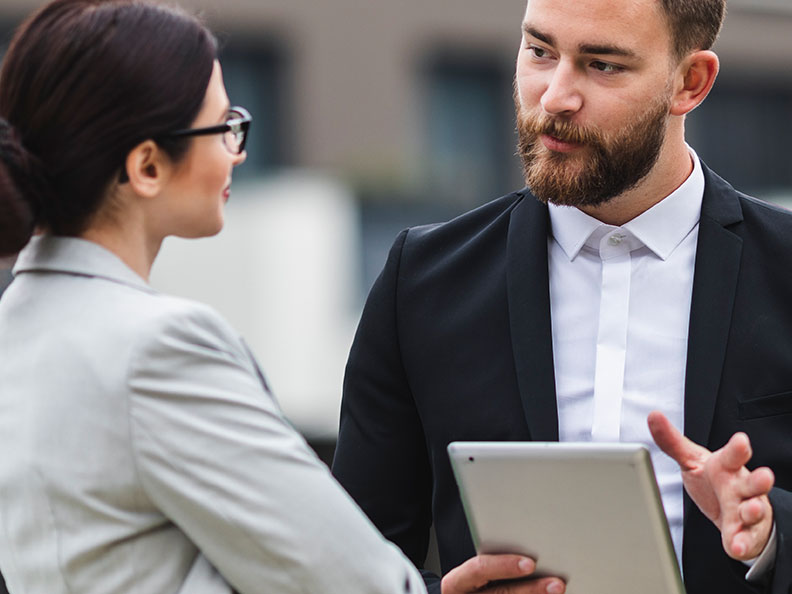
(71, 255)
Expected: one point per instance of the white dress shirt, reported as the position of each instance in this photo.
(611, 287)
(620, 307)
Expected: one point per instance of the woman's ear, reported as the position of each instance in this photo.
(148, 167)
(695, 76)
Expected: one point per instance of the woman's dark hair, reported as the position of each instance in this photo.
(83, 83)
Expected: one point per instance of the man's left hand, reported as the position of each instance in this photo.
(731, 496)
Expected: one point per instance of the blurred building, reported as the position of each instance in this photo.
(401, 113)
(412, 99)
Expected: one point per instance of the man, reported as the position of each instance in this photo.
(638, 286)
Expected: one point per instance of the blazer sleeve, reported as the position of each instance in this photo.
(216, 456)
(381, 456)
(781, 580)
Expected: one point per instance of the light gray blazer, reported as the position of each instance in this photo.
(142, 453)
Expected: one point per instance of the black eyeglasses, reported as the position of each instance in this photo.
(234, 130)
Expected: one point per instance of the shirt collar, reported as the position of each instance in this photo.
(72, 255)
(661, 228)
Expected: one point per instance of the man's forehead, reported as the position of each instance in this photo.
(630, 24)
(611, 6)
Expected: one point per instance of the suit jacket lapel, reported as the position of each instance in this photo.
(529, 316)
(714, 284)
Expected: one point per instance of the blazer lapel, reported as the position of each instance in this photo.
(714, 284)
(529, 315)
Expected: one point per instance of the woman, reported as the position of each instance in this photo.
(141, 449)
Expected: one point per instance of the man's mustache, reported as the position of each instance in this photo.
(563, 130)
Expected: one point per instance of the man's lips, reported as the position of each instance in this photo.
(560, 146)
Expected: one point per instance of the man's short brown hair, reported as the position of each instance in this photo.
(694, 24)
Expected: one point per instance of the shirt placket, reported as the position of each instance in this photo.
(611, 337)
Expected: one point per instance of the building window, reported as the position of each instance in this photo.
(6, 31)
(7, 28)
(469, 129)
(742, 131)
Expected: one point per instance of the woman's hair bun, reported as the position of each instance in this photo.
(18, 189)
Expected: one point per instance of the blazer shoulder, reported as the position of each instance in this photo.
(733, 208)
(458, 252)
(469, 230)
(765, 213)
(175, 322)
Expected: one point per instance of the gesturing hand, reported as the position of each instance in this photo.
(732, 497)
(476, 575)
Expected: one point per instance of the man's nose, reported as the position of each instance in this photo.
(562, 95)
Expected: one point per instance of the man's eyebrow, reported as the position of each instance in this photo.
(533, 32)
(606, 50)
(600, 49)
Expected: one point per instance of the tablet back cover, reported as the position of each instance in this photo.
(589, 513)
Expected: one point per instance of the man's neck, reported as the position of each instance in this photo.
(673, 167)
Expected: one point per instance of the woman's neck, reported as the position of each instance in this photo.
(128, 241)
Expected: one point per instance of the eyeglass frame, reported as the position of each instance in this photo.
(236, 125)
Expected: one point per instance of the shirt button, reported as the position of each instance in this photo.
(616, 239)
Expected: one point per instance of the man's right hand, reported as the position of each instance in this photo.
(475, 574)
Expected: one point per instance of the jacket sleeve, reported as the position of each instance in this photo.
(781, 581)
(216, 456)
(381, 456)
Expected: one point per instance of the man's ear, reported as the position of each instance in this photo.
(695, 76)
(148, 168)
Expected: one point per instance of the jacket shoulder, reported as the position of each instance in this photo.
(161, 327)
(765, 213)
(485, 222)
(734, 209)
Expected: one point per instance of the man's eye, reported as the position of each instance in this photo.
(538, 52)
(605, 67)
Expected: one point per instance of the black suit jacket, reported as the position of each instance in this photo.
(455, 344)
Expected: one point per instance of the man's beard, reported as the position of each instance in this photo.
(603, 168)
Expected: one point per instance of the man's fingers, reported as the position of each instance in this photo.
(537, 586)
(736, 453)
(743, 484)
(755, 483)
(759, 482)
(740, 547)
(686, 453)
(752, 511)
(476, 575)
(750, 541)
(479, 571)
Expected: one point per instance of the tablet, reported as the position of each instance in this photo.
(589, 513)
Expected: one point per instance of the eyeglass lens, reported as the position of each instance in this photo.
(235, 138)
